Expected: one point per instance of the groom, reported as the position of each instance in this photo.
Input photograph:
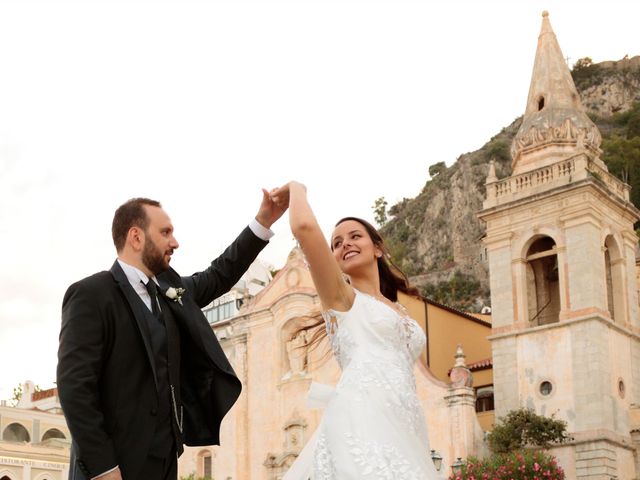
(140, 371)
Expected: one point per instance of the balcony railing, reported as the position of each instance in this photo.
(545, 178)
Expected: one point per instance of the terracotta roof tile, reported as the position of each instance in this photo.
(41, 395)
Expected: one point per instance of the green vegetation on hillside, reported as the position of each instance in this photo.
(621, 150)
(586, 74)
(460, 291)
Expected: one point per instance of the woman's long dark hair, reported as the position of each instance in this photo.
(392, 280)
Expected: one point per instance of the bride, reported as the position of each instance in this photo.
(373, 426)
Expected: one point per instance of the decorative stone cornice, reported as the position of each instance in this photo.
(556, 127)
(521, 330)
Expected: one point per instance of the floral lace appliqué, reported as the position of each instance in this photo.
(323, 468)
(381, 461)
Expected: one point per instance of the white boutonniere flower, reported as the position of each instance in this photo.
(175, 294)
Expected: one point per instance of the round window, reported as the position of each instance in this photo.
(546, 388)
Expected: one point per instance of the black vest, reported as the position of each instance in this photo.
(165, 343)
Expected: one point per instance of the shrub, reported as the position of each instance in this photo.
(586, 74)
(523, 427)
(521, 465)
(498, 149)
(459, 292)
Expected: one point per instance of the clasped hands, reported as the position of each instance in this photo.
(275, 203)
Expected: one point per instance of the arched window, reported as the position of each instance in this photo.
(484, 399)
(609, 282)
(205, 464)
(614, 274)
(53, 433)
(15, 432)
(543, 286)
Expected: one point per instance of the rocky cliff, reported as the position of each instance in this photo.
(436, 236)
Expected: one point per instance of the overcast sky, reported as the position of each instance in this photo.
(200, 104)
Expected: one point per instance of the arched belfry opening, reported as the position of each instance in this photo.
(543, 286)
(614, 274)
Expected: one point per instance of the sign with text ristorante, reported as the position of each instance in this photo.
(32, 463)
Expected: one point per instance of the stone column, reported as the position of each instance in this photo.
(243, 467)
(461, 401)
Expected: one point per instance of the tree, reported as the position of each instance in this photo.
(461, 291)
(498, 149)
(622, 156)
(585, 73)
(17, 393)
(380, 211)
(523, 427)
(582, 63)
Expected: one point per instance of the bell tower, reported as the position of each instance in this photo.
(561, 247)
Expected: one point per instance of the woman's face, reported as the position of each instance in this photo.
(352, 246)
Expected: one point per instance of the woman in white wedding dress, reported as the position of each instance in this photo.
(373, 426)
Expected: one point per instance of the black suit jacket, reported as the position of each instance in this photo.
(105, 376)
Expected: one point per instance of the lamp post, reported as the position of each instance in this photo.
(456, 468)
(437, 460)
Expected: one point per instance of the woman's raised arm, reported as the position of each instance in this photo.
(334, 292)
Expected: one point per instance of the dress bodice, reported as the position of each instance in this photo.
(373, 329)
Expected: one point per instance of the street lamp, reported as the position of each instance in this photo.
(437, 460)
(456, 468)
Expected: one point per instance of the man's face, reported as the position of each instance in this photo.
(159, 242)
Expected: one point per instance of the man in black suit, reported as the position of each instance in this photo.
(140, 371)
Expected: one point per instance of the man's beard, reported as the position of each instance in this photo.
(153, 258)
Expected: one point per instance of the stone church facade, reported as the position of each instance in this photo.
(271, 422)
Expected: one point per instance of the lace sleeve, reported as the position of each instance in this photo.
(332, 320)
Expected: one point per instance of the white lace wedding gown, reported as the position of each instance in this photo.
(373, 426)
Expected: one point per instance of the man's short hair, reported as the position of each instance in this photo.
(130, 214)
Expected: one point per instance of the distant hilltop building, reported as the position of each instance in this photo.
(249, 285)
(35, 439)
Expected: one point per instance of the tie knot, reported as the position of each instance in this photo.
(152, 289)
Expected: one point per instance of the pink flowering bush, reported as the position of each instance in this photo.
(518, 465)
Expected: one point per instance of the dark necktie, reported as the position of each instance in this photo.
(152, 288)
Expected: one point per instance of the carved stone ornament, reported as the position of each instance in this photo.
(560, 126)
(460, 375)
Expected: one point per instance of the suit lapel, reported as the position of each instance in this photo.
(136, 304)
